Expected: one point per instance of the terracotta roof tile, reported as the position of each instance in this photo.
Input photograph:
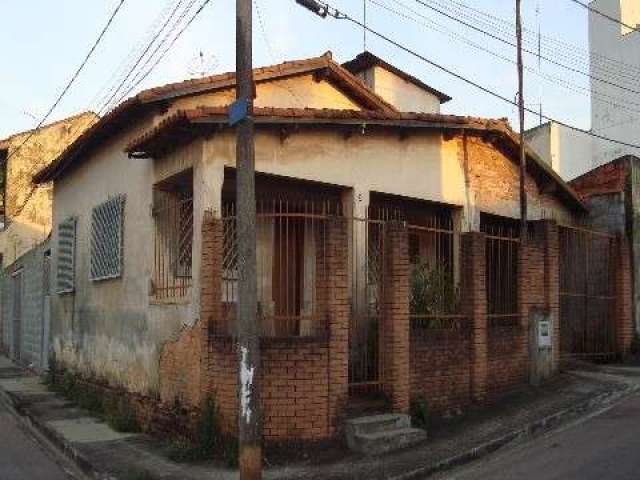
(335, 73)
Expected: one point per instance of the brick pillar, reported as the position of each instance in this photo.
(338, 313)
(395, 330)
(624, 295)
(474, 306)
(551, 240)
(210, 287)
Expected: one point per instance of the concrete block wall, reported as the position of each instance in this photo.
(33, 344)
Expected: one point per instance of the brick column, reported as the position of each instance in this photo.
(552, 283)
(474, 306)
(395, 329)
(211, 276)
(210, 288)
(624, 295)
(338, 313)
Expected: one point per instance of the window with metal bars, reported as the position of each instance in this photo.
(173, 237)
(65, 272)
(502, 250)
(107, 226)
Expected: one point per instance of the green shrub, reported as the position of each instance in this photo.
(67, 384)
(88, 398)
(419, 413)
(121, 415)
(138, 474)
(208, 442)
(433, 290)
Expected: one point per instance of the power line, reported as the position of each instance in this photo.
(604, 15)
(543, 57)
(325, 9)
(553, 79)
(136, 80)
(94, 120)
(70, 82)
(166, 50)
(584, 61)
(141, 56)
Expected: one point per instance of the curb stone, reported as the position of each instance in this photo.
(528, 431)
(70, 452)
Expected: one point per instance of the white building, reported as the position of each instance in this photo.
(615, 96)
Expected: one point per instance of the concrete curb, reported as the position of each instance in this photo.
(603, 400)
(14, 405)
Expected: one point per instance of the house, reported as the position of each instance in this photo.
(26, 226)
(390, 267)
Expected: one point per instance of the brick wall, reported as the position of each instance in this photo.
(624, 296)
(441, 368)
(304, 380)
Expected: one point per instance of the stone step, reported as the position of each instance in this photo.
(377, 443)
(377, 423)
(376, 434)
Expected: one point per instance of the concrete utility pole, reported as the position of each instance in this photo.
(250, 415)
(523, 155)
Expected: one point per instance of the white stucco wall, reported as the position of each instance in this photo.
(569, 152)
(403, 95)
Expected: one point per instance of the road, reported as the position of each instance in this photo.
(22, 457)
(604, 446)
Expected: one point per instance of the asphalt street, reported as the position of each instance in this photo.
(604, 446)
(22, 457)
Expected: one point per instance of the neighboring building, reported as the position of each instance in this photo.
(617, 117)
(615, 97)
(567, 151)
(389, 264)
(25, 307)
(25, 209)
(612, 194)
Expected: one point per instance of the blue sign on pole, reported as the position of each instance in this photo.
(238, 111)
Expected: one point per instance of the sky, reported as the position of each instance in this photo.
(42, 42)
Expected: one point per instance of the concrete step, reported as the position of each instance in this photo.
(376, 434)
(377, 423)
(385, 441)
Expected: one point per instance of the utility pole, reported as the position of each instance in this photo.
(523, 155)
(241, 114)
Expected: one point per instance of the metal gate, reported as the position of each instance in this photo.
(587, 294)
(17, 314)
(366, 251)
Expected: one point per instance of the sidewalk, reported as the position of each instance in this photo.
(104, 453)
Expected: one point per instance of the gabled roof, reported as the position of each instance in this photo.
(184, 125)
(366, 60)
(323, 67)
